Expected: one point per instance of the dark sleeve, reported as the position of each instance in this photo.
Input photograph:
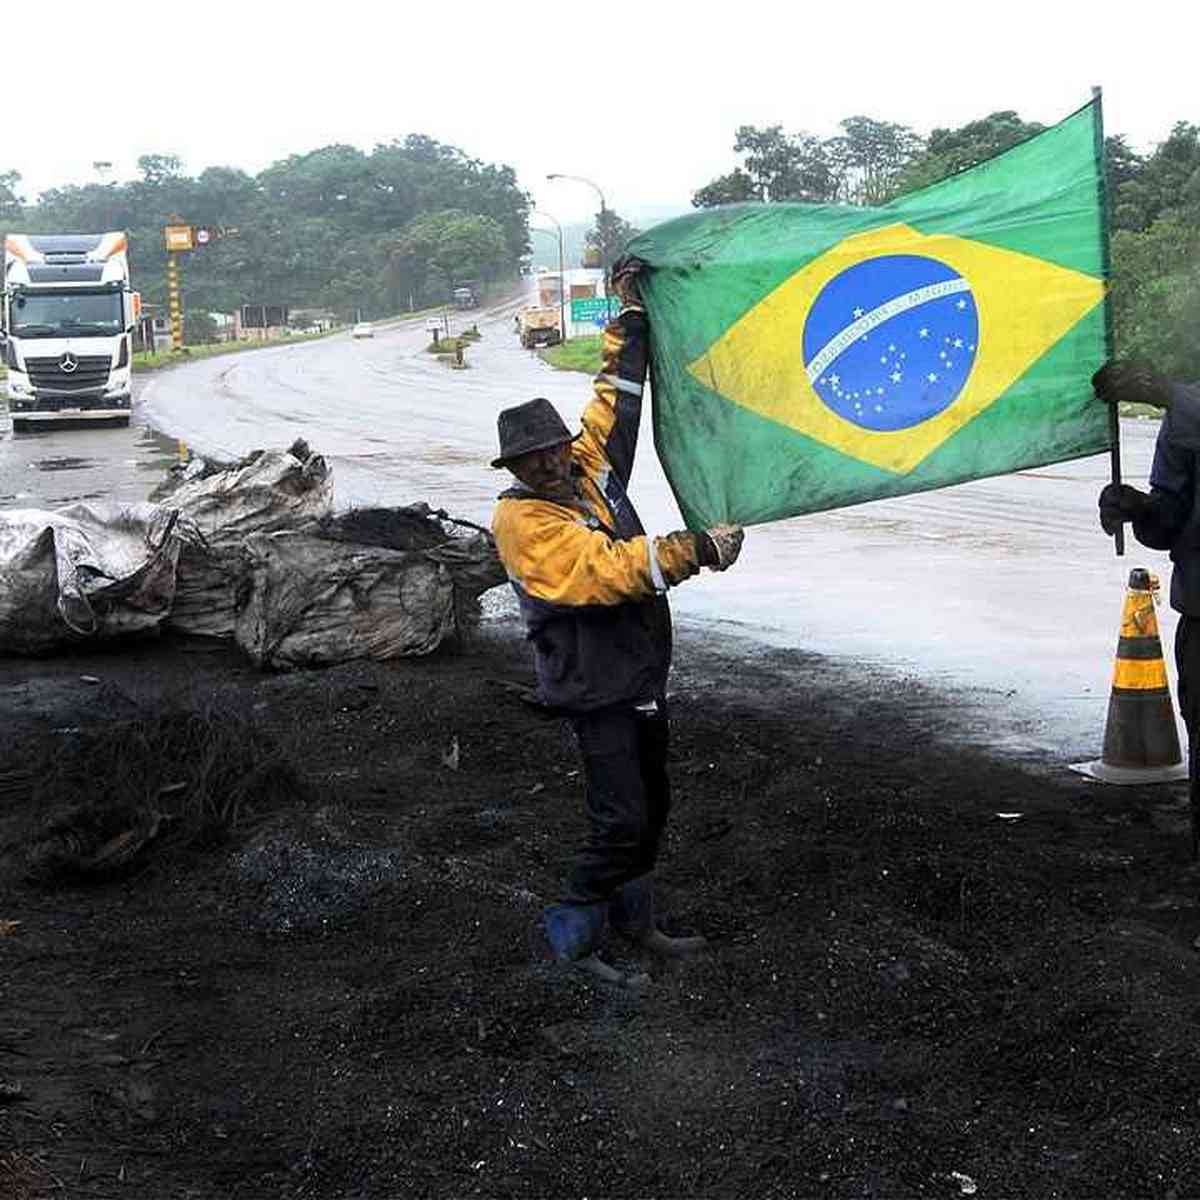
(611, 420)
(1172, 488)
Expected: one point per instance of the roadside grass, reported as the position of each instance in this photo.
(448, 345)
(170, 358)
(579, 354)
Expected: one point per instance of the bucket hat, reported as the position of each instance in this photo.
(534, 425)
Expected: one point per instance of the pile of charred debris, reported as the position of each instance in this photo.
(252, 552)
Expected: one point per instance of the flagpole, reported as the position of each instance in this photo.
(1114, 416)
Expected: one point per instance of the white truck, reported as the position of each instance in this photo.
(67, 324)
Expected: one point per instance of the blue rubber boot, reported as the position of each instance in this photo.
(572, 931)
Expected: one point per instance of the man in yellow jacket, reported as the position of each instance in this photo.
(592, 589)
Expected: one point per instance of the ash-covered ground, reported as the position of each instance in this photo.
(277, 936)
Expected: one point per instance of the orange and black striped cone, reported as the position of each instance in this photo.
(1141, 741)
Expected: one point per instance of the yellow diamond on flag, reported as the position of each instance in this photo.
(890, 342)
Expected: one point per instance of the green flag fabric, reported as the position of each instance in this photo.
(807, 357)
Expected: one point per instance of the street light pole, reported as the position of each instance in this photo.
(562, 274)
(603, 209)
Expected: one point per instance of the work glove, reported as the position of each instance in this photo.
(1133, 381)
(1119, 502)
(719, 546)
(623, 281)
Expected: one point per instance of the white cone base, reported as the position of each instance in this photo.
(1101, 772)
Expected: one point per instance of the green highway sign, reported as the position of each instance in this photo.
(595, 308)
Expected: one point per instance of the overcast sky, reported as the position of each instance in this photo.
(641, 98)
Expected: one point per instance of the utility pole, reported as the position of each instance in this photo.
(179, 239)
(174, 302)
(604, 264)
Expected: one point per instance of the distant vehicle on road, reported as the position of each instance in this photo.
(68, 315)
(538, 326)
(363, 329)
(466, 296)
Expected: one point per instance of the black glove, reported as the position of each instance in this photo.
(1118, 503)
(719, 546)
(1133, 381)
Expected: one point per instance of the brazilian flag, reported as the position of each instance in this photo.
(807, 357)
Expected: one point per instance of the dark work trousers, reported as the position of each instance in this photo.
(628, 797)
(1187, 670)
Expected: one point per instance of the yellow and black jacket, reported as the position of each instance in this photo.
(591, 584)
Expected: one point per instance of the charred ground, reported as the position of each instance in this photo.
(319, 974)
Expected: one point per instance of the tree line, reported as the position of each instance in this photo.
(336, 229)
(1154, 206)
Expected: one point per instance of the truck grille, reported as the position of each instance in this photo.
(90, 375)
(84, 402)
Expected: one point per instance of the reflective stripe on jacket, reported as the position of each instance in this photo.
(590, 582)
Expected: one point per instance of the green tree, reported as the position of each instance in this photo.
(776, 166)
(609, 236)
(437, 249)
(1156, 294)
(735, 188)
(1160, 183)
(768, 158)
(869, 157)
(159, 168)
(199, 328)
(948, 151)
(10, 200)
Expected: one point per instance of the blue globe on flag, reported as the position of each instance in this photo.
(889, 342)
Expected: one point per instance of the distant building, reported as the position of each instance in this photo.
(313, 320)
(581, 283)
(260, 322)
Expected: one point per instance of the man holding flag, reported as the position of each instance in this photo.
(592, 589)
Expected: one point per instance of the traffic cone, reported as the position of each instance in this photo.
(1141, 743)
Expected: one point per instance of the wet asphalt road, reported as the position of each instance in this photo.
(48, 470)
(1004, 588)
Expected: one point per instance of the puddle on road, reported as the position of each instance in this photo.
(158, 451)
(63, 464)
(440, 456)
(423, 455)
(80, 499)
(48, 468)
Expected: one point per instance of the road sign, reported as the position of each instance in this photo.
(179, 237)
(595, 308)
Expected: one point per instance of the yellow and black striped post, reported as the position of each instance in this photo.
(1141, 741)
(174, 302)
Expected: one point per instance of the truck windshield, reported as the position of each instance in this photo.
(65, 314)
